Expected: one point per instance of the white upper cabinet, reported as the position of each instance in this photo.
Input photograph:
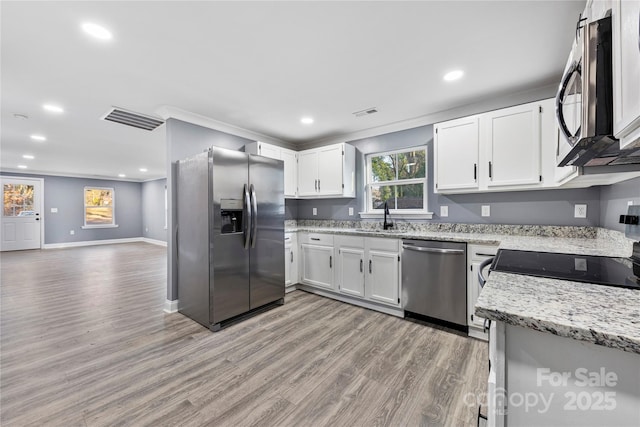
(626, 71)
(327, 171)
(456, 154)
(494, 151)
(512, 141)
(290, 159)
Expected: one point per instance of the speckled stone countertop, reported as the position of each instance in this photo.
(603, 315)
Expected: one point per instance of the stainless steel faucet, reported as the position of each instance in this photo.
(386, 224)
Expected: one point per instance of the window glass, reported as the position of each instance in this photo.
(98, 206)
(397, 178)
(18, 200)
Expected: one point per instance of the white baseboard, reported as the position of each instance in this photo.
(289, 288)
(478, 333)
(103, 242)
(171, 306)
(90, 243)
(154, 241)
(398, 312)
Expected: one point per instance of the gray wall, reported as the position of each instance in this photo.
(184, 140)
(552, 207)
(613, 202)
(67, 194)
(153, 220)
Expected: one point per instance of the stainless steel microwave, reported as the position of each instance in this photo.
(584, 104)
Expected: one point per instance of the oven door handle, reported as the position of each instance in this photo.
(481, 279)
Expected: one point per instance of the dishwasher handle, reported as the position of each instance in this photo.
(433, 250)
(481, 279)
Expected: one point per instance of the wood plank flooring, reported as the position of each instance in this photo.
(84, 342)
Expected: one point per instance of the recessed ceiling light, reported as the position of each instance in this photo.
(39, 137)
(22, 166)
(306, 120)
(453, 75)
(53, 108)
(95, 30)
(143, 169)
(121, 175)
(28, 156)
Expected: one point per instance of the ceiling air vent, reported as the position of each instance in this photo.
(130, 118)
(365, 112)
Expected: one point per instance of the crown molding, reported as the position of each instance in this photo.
(170, 112)
(511, 99)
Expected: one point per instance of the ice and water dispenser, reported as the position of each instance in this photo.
(231, 211)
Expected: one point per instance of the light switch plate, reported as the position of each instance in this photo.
(444, 211)
(54, 210)
(350, 211)
(486, 210)
(72, 232)
(315, 211)
(580, 211)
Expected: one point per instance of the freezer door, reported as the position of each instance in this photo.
(192, 188)
(266, 179)
(229, 280)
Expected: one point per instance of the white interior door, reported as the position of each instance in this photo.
(20, 223)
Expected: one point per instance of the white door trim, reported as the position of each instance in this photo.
(41, 207)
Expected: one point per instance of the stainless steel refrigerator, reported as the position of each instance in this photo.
(230, 235)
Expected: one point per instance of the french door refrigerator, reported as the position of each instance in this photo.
(230, 236)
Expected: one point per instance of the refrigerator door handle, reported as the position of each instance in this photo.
(248, 218)
(254, 216)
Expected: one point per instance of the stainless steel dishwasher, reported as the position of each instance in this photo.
(434, 280)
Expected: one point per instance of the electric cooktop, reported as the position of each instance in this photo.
(601, 270)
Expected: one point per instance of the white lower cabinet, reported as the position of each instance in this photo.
(317, 261)
(475, 255)
(368, 268)
(290, 260)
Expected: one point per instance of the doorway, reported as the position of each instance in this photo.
(21, 222)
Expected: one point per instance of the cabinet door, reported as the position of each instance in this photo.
(308, 173)
(473, 292)
(626, 66)
(287, 264)
(513, 143)
(456, 154)
(268, 150)
(350, 275)
(290, 172)
(382, 277)
(330, 170)
(317, 265)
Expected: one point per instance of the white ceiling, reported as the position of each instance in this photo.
(259, 66)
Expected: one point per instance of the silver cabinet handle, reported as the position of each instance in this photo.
(481, 254)
(315, 238)
(291, 256)
(490, 170)
(330, 261)
(315, 184)
(360, 266)
(370, 269)
(318, 185)
(475, 171)
(434, 250)
(248, 217)
(254, 222)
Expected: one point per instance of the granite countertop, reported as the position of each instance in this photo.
(603, 315)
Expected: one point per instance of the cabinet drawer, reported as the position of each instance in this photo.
(382, 244)
(482, 251)
(317, 239)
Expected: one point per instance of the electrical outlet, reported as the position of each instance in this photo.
(72, 232)
(146, 229)
(54, 210)
(444, 211)
(315, 211)
(350, 211)
(580, 211)
(486, 210)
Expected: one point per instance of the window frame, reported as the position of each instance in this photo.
(369, 212)
(113, 207)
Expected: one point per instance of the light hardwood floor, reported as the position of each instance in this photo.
(84, 341)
